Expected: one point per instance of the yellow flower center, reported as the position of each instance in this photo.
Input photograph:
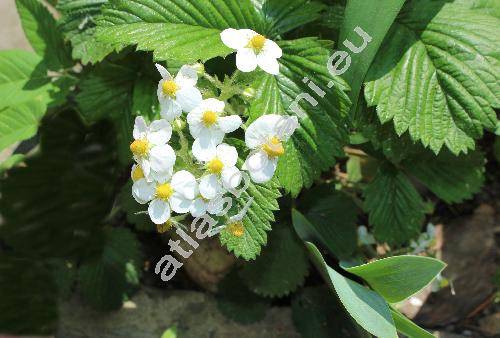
(215, 166)
(236, 229)
(257, 42)
(170, 88)
(162, 228)
(137, 174)
(209, 118)
(140, 147)
(164, 191)
(274, 148)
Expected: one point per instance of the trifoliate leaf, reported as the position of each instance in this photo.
(322, 132)
(452, 178)
(270, 275)
(437, 74)
(104, 279)
(43, 34)
(394, 205)
(78, 23)
(183, 30)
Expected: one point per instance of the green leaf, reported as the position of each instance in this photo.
(437, 75)
(407, 327)
(42, 32)
(78, 23)
(132, 209)
(317, 313)
(322, 132)
(170, 333)
(394, 205)
(333, 215)
(143, 102)
(103, 279)
(367, 307)
(19, 122)
(452, 178)
(183, 30)
(283, 16)
(399, 277)
(270, 275)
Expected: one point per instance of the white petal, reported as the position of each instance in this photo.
(160, 132)
(286, 127)
(268, 64)
(170, 109)
(229, 123)
(246, 60)
(231, 177)
(234, 38)
(146, 166)
(271, 49)
(162, 158)
(180, 204)
(213, 105)
(204, 149)
(210, 186)
(142, 191)
(140, 128)
(161, 176)
(186, 77)
(183, 182)
(159, 211)
(163, 72)
(261, 130)
(198, 208)
(260, 167)
(188, 98)
(227, 154)
(215, 205)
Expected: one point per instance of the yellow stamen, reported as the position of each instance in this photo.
(162, 228)
(274, 148)
(164, 191)
(209, 118)
(236, 229)
(257, 42)
(169, 88)
(139, 147)
(137, 174)
(215, 166)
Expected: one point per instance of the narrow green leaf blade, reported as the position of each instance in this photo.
(407, 327)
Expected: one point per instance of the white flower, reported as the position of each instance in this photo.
(222, 175)
(265, 136)
(208, 127)
(176, 194)
(202, 205)
(150, 148)
(179, 94)
(252, 49)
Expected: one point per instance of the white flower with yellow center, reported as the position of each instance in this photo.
(137, 175)
(265, 136)
(222, 173)
(253, 50)
(208, 125)
(177, 94)
(150, 148)
(176, 194)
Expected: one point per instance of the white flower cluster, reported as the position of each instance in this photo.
(166, 191)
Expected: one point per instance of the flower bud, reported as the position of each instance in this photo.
(178, 124)
(249, 93)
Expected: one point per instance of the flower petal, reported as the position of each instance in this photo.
(286, 127)
(231, 177)
(204, 149)
(142, 191)
(215, 205)
(213, 105)
(170, 109)
(186, 77)
(140, 128)
(260, 167)
(271, 49)
(160, 132)
(146, 167)
(162, 158)
(234, 38)
(229, 123)
(180, 204)
(268, 64)
(261, 130)
(227, 154)
(188, 98)
(159, 211)
(210, 186)
(246, 60)
(198, 208)
(184, 182)
(163, 72)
